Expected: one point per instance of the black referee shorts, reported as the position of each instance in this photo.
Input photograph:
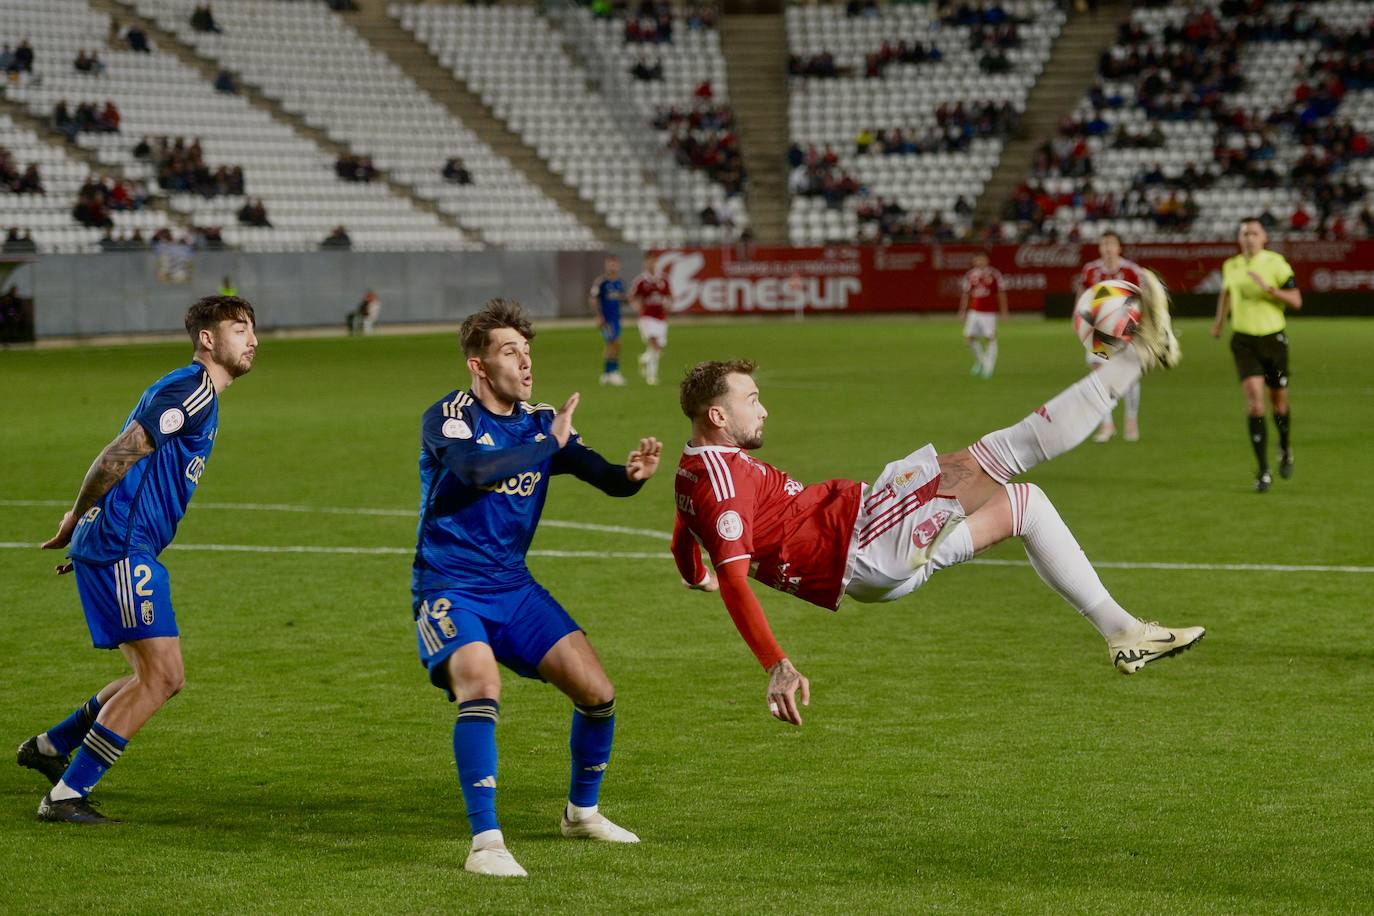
(1266, 355)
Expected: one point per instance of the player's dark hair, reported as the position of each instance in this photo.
(475, 333)
(209, 311)
(1252, 219)
(705, 382)
(1113, 234)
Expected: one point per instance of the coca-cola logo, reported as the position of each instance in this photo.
(1047, 256)
(691, 290)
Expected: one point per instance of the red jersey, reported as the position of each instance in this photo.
(795, 538)
(1095, 272)
(982, 285)
(654, 295)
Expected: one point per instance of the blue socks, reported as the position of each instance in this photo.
(593, 729)
(68, 733)
(100, 751)
(474, 750)
(612, 365)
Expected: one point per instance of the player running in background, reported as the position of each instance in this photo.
(486, 457)
(125, 514)
(651, 295)
(982, 299)
(608, 291)
(1257, 285)
(1112, 266)
(925, 512)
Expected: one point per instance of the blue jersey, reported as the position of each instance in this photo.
(609, 294)
(483, 481)
(180, 412)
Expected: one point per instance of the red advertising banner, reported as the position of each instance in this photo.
(927, 278)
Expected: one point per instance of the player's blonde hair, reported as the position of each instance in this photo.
(705, 382)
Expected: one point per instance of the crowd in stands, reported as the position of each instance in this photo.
(646, 71)
(958, 125)
(203, 19)
(817, 173)
(226, 82)
(355, 168)
(254, 213)
(337, 240)
(19, 241)
(704, 138)
(88, 63)
(883, 220)
(88, 117)
(16, 182)
(652, 21)
(456, 171)
(133, 38)
(17, 60)
(181, 169)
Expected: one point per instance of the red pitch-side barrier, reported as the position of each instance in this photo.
(926, 278)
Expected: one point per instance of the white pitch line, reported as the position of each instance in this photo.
(614, 555)
(663, 555)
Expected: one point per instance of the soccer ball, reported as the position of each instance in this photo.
(1106, 316)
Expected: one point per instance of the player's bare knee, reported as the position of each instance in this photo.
(962, 477)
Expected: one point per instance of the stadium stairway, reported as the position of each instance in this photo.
(755, 48)
(171, 44)
(1071, 68)
(415, 60)
(50, 135)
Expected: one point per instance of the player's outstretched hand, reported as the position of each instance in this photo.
(62, 539)
(709, 584)
(562, 421)
(643, 461)
(784, 681)
(1216, 329)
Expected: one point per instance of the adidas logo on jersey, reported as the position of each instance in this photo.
(485, 439)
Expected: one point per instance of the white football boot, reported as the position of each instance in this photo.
(596, 826)
(1147, 641)
(493, 858)
(1155, 339)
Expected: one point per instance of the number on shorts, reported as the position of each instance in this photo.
(142, 573)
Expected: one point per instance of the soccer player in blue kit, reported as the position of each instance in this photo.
(125, 514)
(486, 456)
(607, 294)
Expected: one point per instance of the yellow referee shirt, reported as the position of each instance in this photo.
(1252, 310)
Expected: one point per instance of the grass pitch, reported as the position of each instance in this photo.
(967, 749)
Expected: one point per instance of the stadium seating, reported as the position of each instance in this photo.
(316, 66)
(1254, 115)
(158, 95)
(833, 111)
(512, 57)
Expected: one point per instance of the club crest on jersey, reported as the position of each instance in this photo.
(171, 420)
(904, 479)
(729, 526)
(456, 429)
(195, 469)
(928, 530)
(146, 610)
(521, 484)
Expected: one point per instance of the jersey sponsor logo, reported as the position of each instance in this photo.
(456, 429)
(683, 472)
(729, 526)
(146, 612)
(521, 484)
(684, 504)
(170, 421)
(195, 469)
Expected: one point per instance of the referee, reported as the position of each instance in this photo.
(1256, 286)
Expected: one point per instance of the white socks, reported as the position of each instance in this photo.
(488, 838)
(1131, 399)
(990, 361)
(1060, 562)
(62, 791)
(1062, 423)
(45, 745)
(574, 813)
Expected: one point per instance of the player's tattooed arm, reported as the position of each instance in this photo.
(108, 469)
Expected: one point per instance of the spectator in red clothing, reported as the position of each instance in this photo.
(1300, 220)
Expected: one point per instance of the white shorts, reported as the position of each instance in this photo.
(1095, 360)
(980, 325)
(655, 329)
(906, 531)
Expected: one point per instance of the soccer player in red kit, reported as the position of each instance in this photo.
(651, 296)
(980, 302)
(882, 541)
(1112, 266)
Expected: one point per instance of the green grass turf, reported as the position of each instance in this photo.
(967, 749)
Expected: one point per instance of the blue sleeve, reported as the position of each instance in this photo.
(588, 466)
(179, 408)
(451, 441)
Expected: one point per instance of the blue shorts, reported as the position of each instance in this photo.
(520, 624)
(610, 331)
(126, 601)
